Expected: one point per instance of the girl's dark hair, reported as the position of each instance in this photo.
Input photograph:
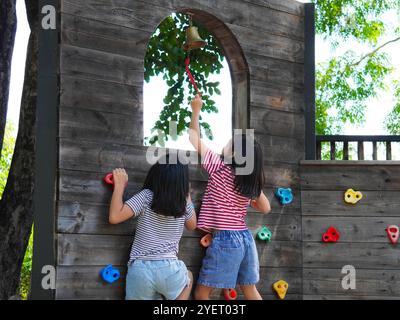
(249, 185)
(170, 186)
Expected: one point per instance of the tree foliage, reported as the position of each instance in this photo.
(166, 57)
(346, 82)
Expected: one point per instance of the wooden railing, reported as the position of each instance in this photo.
(387, 140)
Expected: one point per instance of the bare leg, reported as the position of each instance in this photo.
(250, 292)
(202, 292)
(185, 294)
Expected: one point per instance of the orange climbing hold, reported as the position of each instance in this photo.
(206, 240)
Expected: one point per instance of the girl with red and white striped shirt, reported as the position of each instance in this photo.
(232, 257)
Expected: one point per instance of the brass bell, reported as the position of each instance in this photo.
(193, 40)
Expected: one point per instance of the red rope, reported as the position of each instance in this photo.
(187, 62)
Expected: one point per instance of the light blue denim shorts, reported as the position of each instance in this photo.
(231, 259)
(156, 279)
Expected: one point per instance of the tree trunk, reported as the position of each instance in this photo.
(16, 205)
(8, 26)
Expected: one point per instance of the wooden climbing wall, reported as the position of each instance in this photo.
(363, 242)
(102, 47)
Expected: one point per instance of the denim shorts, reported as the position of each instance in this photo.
(156, 279)
(231, 259)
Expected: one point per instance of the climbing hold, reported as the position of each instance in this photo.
(109, 179)
(230, 294)
(109, 274)
(206, 240)
(281, 287)
(264, 234)
(352, 197)
(331, 235)
(393, 233)
(285, 195)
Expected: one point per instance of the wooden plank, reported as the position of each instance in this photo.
(83, 249)
(289, 6)
(360, 150)
(100, 96)
(132, 14)
(281, 149)
(87, 218)
(275, 70)
(379, 256)
(374, 150)
(275, 96)
(333, 150)
(345, 150)
(388, 150)
(101, 126)
(330, 203)
(98, 65)
(93, 156)
(336, 177)
(89, 187)
(277, 123)
(260, 43)
(378, 283)
(146, 16)
(83, 282)
(92, 34)
(352, 229)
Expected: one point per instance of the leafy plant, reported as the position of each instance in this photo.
(26, 270)
(166, 57)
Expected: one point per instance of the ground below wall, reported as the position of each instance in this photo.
(363, 240)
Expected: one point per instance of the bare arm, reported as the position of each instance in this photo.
(119, 212)
(191, 224)
(261, 203)
(194, 129)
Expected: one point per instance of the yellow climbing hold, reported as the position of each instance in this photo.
(281, 287)
(352, 197)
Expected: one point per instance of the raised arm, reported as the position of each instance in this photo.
(119, 212)
(261, 203)
(194, 129)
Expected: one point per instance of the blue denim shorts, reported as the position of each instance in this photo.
(156, 279)
(231, 259)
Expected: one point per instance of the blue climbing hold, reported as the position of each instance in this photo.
(284, 195)
(109, 274)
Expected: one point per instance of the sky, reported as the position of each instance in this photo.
(375, 114)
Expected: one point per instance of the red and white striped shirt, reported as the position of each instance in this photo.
(223, 208)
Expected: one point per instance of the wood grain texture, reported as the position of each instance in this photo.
(89, 218)
(352, 229)
(379, 283)
(82, 249)
(380, 256)
(87, 94)
(331, 203)
(84, 282)
(357, 177)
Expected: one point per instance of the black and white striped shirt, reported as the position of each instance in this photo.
(157, 237)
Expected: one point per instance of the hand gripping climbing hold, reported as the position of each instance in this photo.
(109, 274)
(281, 287)
(264, 234)
(331, 235)
(109, 179)
(352, 197)
(285, 195)
(230, 294)
(393, 233)
(206, 240)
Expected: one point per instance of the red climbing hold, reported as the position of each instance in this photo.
(230, 294)
(393, 233)
(109, 179)
(331, 235)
